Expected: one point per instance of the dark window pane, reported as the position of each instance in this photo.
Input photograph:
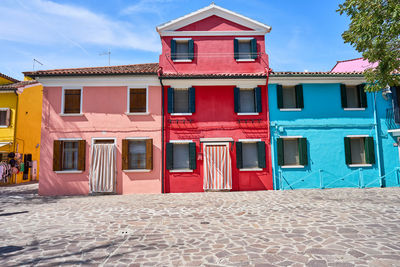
(181, 101)
(250, 155)
(291, 152)
(353, 97)
(137, 101)
(357, 150)
(289, 97)
(3, 117)
(137, 154)
(181, 156)
(244, 49)
(70, 155)
(72, 101)
(247, 101)
(182, 50)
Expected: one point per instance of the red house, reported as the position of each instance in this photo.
(214, 71)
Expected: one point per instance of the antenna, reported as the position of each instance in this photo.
(107, 53)
(36, 61)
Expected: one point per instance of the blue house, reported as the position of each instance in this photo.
(326, 132)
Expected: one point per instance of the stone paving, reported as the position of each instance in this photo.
(335, 227)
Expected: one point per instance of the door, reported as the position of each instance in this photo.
(217, 167)
(102, 175)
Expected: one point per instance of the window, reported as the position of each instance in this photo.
(137, 100)
(292, 151)
(5, 116)
(181, 100)
(69, 155)
(250, 155)
(72, 101)
(396, 103)
(359, 150)
(182, 49)
(353, 97)
(290, 97)
(181, 156)
(245, 49)
(137, 154)
(247, 100)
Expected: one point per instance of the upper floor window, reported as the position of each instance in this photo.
(292, 151)
(182, 49)
(290, 97)
(359, 150)
(248, 100)
(245, 49)
(69, 155)
(137, 100)
(181, 100)
(72, 101)
(353, 97)
(5, 116)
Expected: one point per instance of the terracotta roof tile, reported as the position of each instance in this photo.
(8, 78)
(15, 86)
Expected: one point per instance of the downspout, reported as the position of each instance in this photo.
(271, 139)
(159, 74)
(15, 130)
(378, 149)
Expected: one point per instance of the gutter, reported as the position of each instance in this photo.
(159, 74)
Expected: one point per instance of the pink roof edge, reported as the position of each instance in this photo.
(351, 65)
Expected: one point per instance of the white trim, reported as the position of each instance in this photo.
(215, 143)
(101, 80)
(290, 109)
(244, 38)
(137, 170)
(291, 137)
(293, 167)
(245, 60)
(353, 109)
(250, 169)
(249, 140)
(227, 139)
(138, 138)
(292, 81)
(71, 114)
(181, 114)
(182, 39)
(181, 170)
(129, 99)
(137, 113)
(213, 33)
(93, 139)
(357, 135)
(70, 139)
(63, 100)
(359, 165)
(182, 60)
(241, 83)
(247, 113)
(4, 126)
(181, 141)
(395, 132)
(68, 172)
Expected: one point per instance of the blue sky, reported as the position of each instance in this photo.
(306, 35)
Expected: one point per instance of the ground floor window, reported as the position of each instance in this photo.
(292, 151)
(359, 150)
(250, 154)
(181, 155)
(137, 154)
(69, 155)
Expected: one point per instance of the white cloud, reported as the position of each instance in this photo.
(145, 6)
(48, 23)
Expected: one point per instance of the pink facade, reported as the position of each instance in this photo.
(104, 111)
(351, 65)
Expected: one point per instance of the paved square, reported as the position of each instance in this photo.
(336, 227)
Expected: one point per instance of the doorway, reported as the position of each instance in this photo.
(217, 167)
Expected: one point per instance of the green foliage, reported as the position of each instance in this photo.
(374, 31)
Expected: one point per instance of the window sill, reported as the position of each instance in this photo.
(181, 114)
(293, 167)
(183, 170)
(290, 109)
(359, 165)
(182, 60)
(245, 60)
(68, 172)
(71, 114)
(136, 113)
(138, 170)
(4, 126)
(248, 113)
(250, 169)
(353, 109)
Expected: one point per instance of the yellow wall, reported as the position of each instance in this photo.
(4, 81)
(8, 100)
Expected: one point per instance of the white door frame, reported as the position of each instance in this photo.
(226, 143)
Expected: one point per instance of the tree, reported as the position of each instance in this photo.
(374, 31)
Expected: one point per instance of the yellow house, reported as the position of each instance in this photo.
(20, 122)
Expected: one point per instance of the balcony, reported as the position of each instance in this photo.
(393, 120)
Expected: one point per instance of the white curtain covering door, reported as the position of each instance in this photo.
(103, 168)
(217, 168)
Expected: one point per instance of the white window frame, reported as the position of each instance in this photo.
(181, 142)
(138, 139)
(129, 100)
(359, 165)
(69, 139)
(250, 141)
(63, 101)
(245, 39)
(292, 166)
(182, 113)
(181, 40)
(9, 119)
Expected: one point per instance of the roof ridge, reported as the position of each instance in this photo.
(8, 78)
(350, 59)
(98, 67)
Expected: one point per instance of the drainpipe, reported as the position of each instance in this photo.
(271, 136)
(378, 137)
(159, 73)
(15, 130)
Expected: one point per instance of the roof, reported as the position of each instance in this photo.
(136, 69)
(208, 11)
(315, 73)
(17, 85)
(8, 78)
(350, 65)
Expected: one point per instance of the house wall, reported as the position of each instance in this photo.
(8, 100)
(104, 116)
(215, 118)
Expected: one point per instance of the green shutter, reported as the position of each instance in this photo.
(369, 150)
(363, 95)
(192, 100)
(191, 49)
(299, 96)
(303, 157)
(239, 160)
(261, 155)
(254, 54)
(173, 49)
(279, 148)
(236, 48)
(279, 96)
(169, 156)
(236, 93)
(343, 95)
(258, 99)
(170, 100)
(192, 156)
(347, 150)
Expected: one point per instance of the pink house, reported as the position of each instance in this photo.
(352, 65)
(101, 130)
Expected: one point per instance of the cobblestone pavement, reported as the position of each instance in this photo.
(336, 227)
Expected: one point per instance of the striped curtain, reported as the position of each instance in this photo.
(217, 168)
(102, 168)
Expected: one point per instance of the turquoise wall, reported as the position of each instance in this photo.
(325, 123)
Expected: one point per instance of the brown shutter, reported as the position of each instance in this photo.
(72, 101)
(137, 100)
(125, 147)
(57, 151)
(149, 154)
(81, 155)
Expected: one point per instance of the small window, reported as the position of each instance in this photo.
(359, 150)
(5, 117)
(247, 100)
(181, 100)
(250, 155)
(181, 156)
(245, 49)
(290, 97)
(137, 100)
(292, 151)
(69, 155)
(137, 154)
(182, 49)
(72, 101)
(353, 96)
